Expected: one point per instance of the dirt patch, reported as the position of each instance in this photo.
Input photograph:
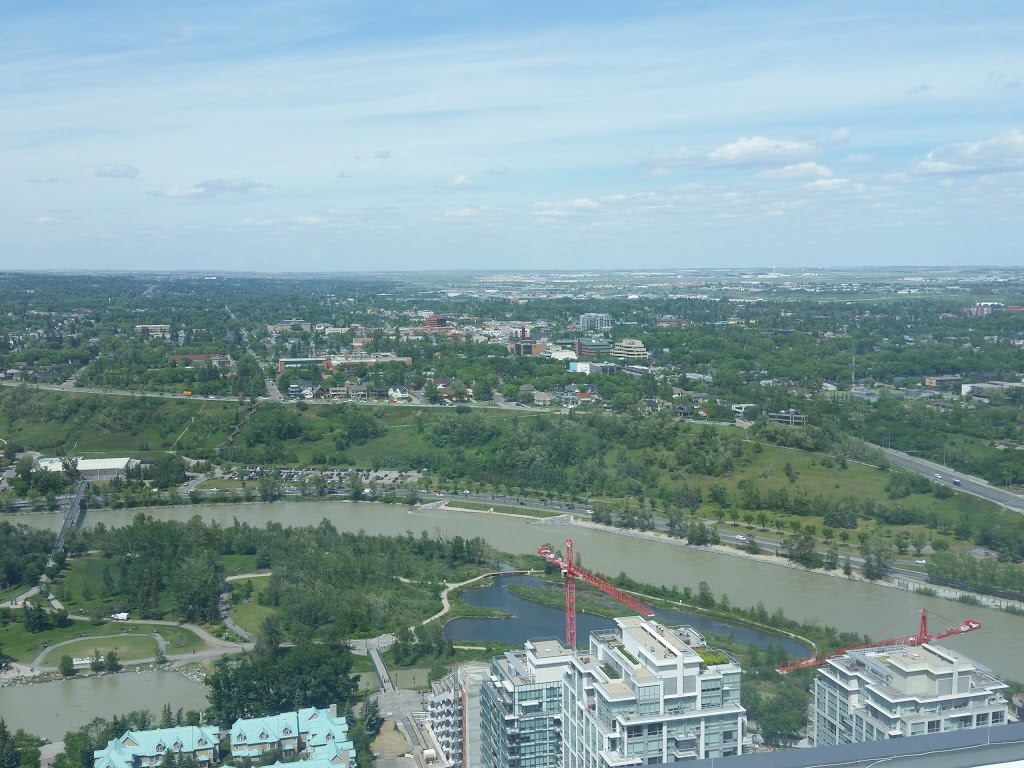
(390, 742)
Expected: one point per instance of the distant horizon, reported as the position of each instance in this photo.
(326, 137)
(481, 271)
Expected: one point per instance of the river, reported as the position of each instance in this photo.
(848, 605)
(538, 621)
(52, 709)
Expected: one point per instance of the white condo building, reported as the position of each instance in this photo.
(646, 694)
(875, 694)
(453, 710)
(521, 707)
(595, 321)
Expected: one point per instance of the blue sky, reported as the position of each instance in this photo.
(319, 135)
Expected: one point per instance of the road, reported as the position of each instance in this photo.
(975, 486)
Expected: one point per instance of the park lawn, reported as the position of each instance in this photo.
(88, 571)
(128, 648)
(24, 647)
(237, 564)
(250, 614)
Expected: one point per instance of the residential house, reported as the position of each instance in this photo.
(542, 398)
(398, 393)
(318, 734)
(141, 749)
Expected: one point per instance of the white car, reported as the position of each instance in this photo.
(938, 476)
(920, 562)
(741, 538)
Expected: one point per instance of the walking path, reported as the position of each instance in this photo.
(446, 606)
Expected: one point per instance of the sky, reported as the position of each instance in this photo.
(336, 135)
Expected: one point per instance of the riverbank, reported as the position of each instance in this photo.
(903, 583)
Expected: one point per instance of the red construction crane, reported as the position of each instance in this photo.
(922, 637)
(570, 572)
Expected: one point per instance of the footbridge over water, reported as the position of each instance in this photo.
(76, 507)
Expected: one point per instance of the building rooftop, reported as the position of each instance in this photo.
(997, 746)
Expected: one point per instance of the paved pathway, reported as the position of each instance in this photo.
(446, 606)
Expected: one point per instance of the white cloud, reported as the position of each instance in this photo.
(499, 170)
(342, 175)
(758, 150)
(840, 135)
(1003, 152)
(551, 211)
(45, 180)
(211, 188)
(796, 172)
(827, 185)
(461, 182)
(383, 154)
(917, 90)
(462, 213)
(745, 152)
(46, 220)
(660, 172)
(117, 171)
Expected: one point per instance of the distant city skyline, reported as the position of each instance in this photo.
(317, 136)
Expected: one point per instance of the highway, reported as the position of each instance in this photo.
(968, 484)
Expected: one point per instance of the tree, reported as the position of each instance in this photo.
(66, 666)
(791, 474)
(372, 718)
(110, 662)
(918, 542)
(8, 750)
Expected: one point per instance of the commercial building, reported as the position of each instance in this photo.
(587, 348)
(91, 469)
(453, 710)
(521, 707)
(646, 694)
(595, 321)
(154, 331)
(876, 694)
(630, 349)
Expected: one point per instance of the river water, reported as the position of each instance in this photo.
(848, 605)
(538, 621)
(52, 709)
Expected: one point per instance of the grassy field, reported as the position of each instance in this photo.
(237, 564)
(80, 587)
(128, 648)
(250, 614)
(24, 647)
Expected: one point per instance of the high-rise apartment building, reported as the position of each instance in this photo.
(595, 321)
(453, 709)
(646, 694)
(875, 694)
(521, 707)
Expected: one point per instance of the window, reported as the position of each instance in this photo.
(934, 726)
(997, 718)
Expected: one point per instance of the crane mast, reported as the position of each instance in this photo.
(922, 637)
(571, 572)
